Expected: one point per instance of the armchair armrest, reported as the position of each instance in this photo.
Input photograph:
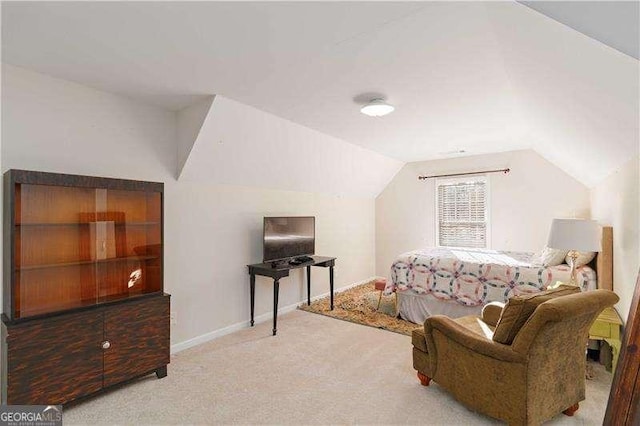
(491, 313)
(471, 340)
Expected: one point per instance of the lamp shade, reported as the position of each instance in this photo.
(575, 234)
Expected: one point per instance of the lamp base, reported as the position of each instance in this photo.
(573, 256)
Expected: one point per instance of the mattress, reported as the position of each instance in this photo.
(459, 281)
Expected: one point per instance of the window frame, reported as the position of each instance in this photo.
(487, 205)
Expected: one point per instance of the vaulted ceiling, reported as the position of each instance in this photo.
(475, 76)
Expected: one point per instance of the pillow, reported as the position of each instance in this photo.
(583, 258)
(519, 308)
(549, 257)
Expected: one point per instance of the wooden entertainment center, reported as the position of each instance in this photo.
(83, 300)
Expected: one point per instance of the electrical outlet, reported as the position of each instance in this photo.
(173, 318)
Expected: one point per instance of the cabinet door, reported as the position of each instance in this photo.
(54, 360)
(134, 265)
(138, 334)
(53, 249)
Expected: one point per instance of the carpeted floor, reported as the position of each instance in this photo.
(358, 304)
(315, 371)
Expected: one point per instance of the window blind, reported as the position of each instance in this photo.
(462, 217)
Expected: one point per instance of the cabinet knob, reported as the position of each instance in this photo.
(106, 344)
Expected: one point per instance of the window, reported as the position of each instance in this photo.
(462, 214)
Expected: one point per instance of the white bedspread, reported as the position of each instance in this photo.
(473, 277)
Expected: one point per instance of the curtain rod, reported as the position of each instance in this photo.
(505, 171)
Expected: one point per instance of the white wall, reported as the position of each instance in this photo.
(188, 126)
(211, 231)
(522, 203)
(214, 231)
(615, 201)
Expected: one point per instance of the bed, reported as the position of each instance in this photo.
(460, 281)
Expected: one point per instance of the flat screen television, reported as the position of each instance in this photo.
(288, 237)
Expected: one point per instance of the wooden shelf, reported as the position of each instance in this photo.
(56, 307)
(119, 296)
(85, 262)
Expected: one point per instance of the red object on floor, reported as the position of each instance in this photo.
(380, 284)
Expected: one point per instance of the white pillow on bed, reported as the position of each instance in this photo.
(549, 257)
(584, 257)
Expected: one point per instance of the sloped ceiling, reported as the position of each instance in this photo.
(614, 26)
(242, 145)
(482, 77)
(579, 97)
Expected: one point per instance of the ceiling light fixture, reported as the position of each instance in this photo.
(377, 108)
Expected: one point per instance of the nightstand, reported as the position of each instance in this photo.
(607, 327)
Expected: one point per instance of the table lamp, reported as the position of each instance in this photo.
(575, 235)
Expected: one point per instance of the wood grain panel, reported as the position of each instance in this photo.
(139, 336)
(129, 237)
(53, 204)
(43, 290)
(48, 364)
(133, 204)
(114, 278)
(623, 408)
(152, 267)
(154, 238)
(154, 206)
(46, 244)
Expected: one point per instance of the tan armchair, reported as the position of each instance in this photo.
(534, 378)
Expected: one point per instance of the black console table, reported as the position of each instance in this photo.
(277, 271)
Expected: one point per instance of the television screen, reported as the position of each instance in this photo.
(287, 237)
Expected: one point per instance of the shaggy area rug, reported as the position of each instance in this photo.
(358, 305)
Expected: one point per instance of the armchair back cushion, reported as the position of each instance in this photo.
(519, 308)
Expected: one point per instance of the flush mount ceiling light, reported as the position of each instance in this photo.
(377, 108)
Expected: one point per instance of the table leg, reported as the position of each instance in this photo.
(308, 285)
(252, 290)
(276, 289)
(331, 285)
(615, 352)
(252, 284)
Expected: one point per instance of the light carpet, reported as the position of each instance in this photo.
(315, 371)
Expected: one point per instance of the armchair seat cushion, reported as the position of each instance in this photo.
(470, 322)
(475, 324)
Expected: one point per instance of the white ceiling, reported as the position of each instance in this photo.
(616, 26)
(483, 77)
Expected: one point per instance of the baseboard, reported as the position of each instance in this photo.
(267, 316)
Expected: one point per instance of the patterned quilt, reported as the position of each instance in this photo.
(474, 277)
